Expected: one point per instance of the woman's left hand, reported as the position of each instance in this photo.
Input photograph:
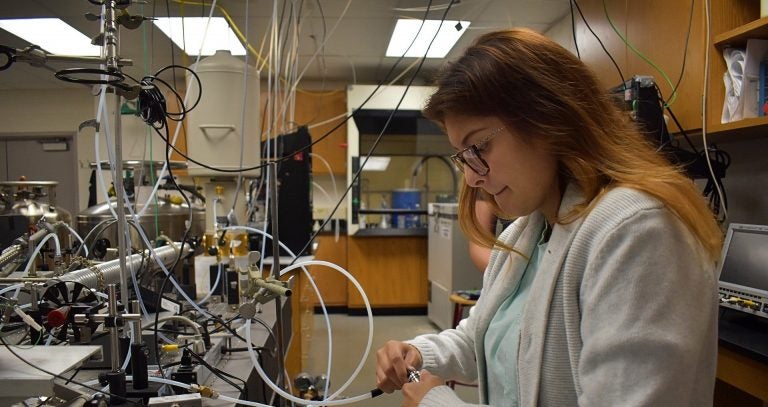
(415, 391)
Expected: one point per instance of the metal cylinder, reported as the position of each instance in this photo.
(170, 218)
(110, 270)
(10, 254)
(35, 201)
(114, 339)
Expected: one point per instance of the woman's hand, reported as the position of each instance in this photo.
(414, 392)
(393, 361)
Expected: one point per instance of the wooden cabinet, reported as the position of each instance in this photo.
(331, 283)
(733, 23)
(658, 30)
(313, 108)
(391, 270)
(746, 374)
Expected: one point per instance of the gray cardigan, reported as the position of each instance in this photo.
(622, 312)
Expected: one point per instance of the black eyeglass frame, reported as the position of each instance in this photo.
(475, 159)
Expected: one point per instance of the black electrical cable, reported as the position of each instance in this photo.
(178, 258)
(158, 303)
(10, 55)
(73, 376)
(257, 320)
(157, 321)
(328, 134)
(227, 322)
(114, 77)
(161, 115)
(322, 18)
(260, 359)
(357, 175)
(383, 130)
(714, 181)
(173, 332)
(717, 159)
(282, 26)
(601, 43)
(573, 29)
(225, 349)
(109, 223)
(222, 374)
(319, 139)
(179, 98)
(682, 131)
(10, 349)
(152, 103)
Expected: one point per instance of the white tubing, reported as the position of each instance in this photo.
(178, 128)
(128, 355)
(135, 219)
(99, 110)
(220, 396)
(39, 246)
(314, 287)
(290, 397)
(357, 285)
(330, 171)
(173, 280)
(74, 233)
(11, 287)
(188, 322)
(211, 289)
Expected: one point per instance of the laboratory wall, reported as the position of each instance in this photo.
(59, 112)
(55, 112)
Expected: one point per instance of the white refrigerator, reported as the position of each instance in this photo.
(449, 266)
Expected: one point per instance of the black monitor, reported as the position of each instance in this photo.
(743, 269)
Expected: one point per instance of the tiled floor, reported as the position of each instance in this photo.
(350, 334)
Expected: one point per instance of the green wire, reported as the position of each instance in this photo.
(673, 96)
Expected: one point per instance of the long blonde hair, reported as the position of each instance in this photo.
(548, 95)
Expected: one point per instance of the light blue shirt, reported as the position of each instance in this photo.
(502, 339)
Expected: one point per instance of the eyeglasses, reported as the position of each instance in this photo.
(470, 156)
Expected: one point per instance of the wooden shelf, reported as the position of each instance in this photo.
(739, 36)
(752, 128)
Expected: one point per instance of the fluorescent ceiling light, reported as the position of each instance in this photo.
(376, 164)
(51, 34)
(193, 34)
(406, 29)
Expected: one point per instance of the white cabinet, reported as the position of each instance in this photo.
(449, 266)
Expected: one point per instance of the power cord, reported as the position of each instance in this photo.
(221, 374)
(583, 18)
(152, 104)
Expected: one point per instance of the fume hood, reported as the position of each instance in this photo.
(391, 199)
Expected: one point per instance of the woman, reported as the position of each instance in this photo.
(603, 291)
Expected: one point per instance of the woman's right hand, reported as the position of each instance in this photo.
(393, 361)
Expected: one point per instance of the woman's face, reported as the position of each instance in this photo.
(522, 177)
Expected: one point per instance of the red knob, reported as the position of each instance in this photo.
(58, 317)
